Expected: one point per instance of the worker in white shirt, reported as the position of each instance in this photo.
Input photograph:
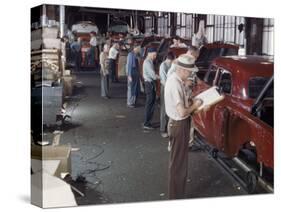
(175, 43)
(199, 39)
(164, 67)
(113, 53)
(92, 52)
(179, 113)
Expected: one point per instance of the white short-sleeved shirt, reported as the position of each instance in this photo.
(175, 93)
(171, 70)
(93, 41)
(112, 53)
(148, 72)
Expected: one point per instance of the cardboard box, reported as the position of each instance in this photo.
(67, 86)
(62, 153)
(51, 43)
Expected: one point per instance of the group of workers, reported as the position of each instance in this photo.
(74, 50)
(176, 76)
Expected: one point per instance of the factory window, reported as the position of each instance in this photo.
(169, 24)
(148, 24)
(219, 28)
(178, 32)
(184, 25)
(268, 39)
(240, 34)
(210, 28)
(229, 29)
(188, 26)
(163, 24)
(160, 25)
(166, 24)
(225, 28)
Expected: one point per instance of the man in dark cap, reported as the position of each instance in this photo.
(150, 78)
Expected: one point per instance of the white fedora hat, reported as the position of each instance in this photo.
(186, 62)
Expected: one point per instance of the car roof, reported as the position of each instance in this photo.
(250, 64)
(220, 45)
(178, 51)
(147, 40)
(154, 43)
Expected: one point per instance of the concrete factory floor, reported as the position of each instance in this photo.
(117, 161)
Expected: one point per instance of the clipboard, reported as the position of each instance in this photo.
(209, 97)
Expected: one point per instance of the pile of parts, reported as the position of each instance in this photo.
(48, 77)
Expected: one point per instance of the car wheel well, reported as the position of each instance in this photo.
(248, 152)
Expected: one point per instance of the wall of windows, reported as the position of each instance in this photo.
(268, 37)
(217, 27)
(163, 24)
(184, 25)
(148, 24)
(225, 28)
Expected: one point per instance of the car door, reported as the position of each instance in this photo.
(203, 120)
(221, 112)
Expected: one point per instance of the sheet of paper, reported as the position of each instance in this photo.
(209, 97)
(51, 191)
(49, 166)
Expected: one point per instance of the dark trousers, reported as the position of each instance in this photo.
(179, 132)
(112, 70)
(91, 56)
(78, 61)
(150, 92)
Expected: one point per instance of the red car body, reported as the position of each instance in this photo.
(85, 46)
(210, 51)
(230, 124)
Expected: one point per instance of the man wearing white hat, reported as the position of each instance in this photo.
(179, 111)
(192, 51)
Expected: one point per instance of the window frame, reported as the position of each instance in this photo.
(215, 69)
(222, 71)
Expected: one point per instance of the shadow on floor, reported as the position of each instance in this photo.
(88, 189)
